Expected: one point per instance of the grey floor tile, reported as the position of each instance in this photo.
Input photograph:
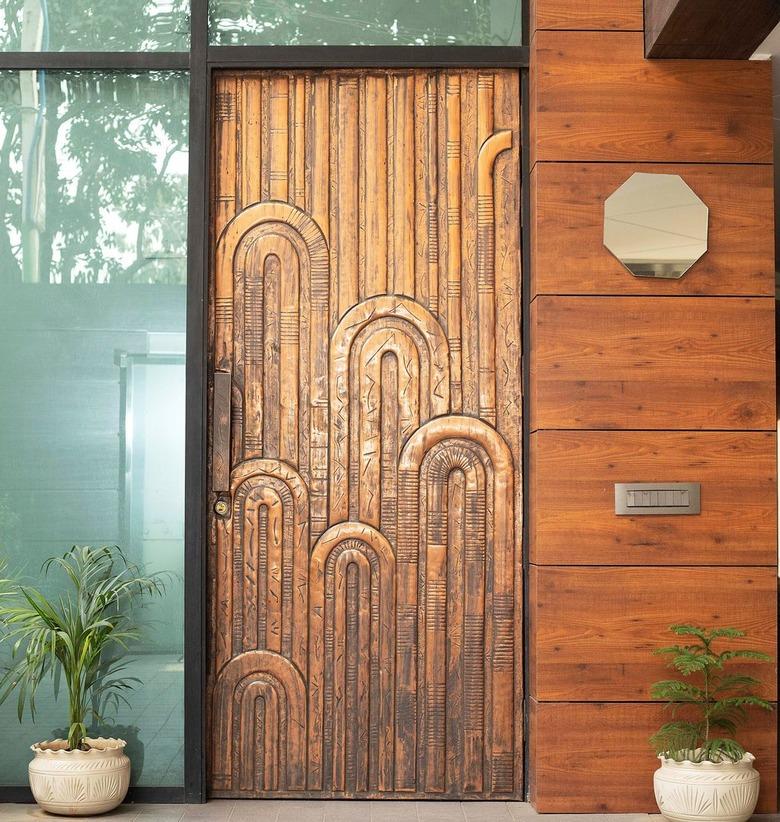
(486, 812)
(593, 817)
(10, 812)
(521, 810)
(440, 812)
(219, 810)
(256, 810)
(394, 810)
(301, 811)
(29, 813)
(160, 813)
(347, 810)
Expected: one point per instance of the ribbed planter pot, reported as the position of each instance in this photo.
(713, 791)
(79, 783)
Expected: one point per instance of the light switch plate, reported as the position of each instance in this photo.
(643, 498)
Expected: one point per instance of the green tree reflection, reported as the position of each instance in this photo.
(110, 25)
(93, 177)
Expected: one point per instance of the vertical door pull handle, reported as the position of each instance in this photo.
(220, 454)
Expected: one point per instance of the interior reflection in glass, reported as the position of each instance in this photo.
(655, 225)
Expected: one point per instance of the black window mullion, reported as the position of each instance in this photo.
(368, 56)
(196, 498)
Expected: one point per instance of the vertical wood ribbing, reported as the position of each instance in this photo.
(373, 171)
(469, 124)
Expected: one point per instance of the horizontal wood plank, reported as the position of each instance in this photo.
(653, 363)
(593, 629)
(594, 15)
(595, 97)
(573, 520)
(567, 231)
(595, 758)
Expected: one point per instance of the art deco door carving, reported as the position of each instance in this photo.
(365, 564)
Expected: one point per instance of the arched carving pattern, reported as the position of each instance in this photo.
(261, 596)
(389, 373)
(259, 732)
(271, 312)
(455, 608)
(351, 660)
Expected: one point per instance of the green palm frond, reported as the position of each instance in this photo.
(76, 636)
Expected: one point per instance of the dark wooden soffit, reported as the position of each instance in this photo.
(708, 29)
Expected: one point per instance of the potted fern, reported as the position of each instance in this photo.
(705, 772)
(79, 637)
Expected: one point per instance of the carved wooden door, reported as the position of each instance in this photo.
(365, 563)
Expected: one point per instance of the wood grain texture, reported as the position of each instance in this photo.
(578, 773)
(585, 15)
(708, 29)
(593, 629)
(653, 363)
(573, 520)
(367, 310)
(567, 231)
(595, 98)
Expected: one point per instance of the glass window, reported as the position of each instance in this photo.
(365, 22)
(110, 25)
(93, 172)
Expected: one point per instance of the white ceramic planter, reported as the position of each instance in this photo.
(79, 783)
(712, 791)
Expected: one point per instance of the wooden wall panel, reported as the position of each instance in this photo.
(631, 373)
(594, 628)
(596, 15)
(654, 363)
(595, 97)
(567, 235)
(573, 478)
(594, 757)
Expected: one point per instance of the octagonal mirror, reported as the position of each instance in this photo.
(656, 225)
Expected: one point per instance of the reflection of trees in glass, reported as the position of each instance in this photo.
(365, 22)
(109, 25)
(93, 175)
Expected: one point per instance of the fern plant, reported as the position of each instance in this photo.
(716, 700)
(81, 636)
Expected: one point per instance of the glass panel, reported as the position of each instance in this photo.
(365, 22)
(110, 25)
(93, 173)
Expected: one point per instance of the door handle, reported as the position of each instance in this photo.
(220, 444)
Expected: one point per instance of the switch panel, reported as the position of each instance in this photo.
(641, 498)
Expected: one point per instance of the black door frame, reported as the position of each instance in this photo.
(203, 60)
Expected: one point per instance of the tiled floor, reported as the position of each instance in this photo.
(330, 811)
(268, 810)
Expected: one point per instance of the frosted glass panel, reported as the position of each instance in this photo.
(108, 25)
(92, 330)
(365, 22)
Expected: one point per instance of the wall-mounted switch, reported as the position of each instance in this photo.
(641, 498)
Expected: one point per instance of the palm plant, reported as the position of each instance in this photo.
(718, 700)
(81, 636)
